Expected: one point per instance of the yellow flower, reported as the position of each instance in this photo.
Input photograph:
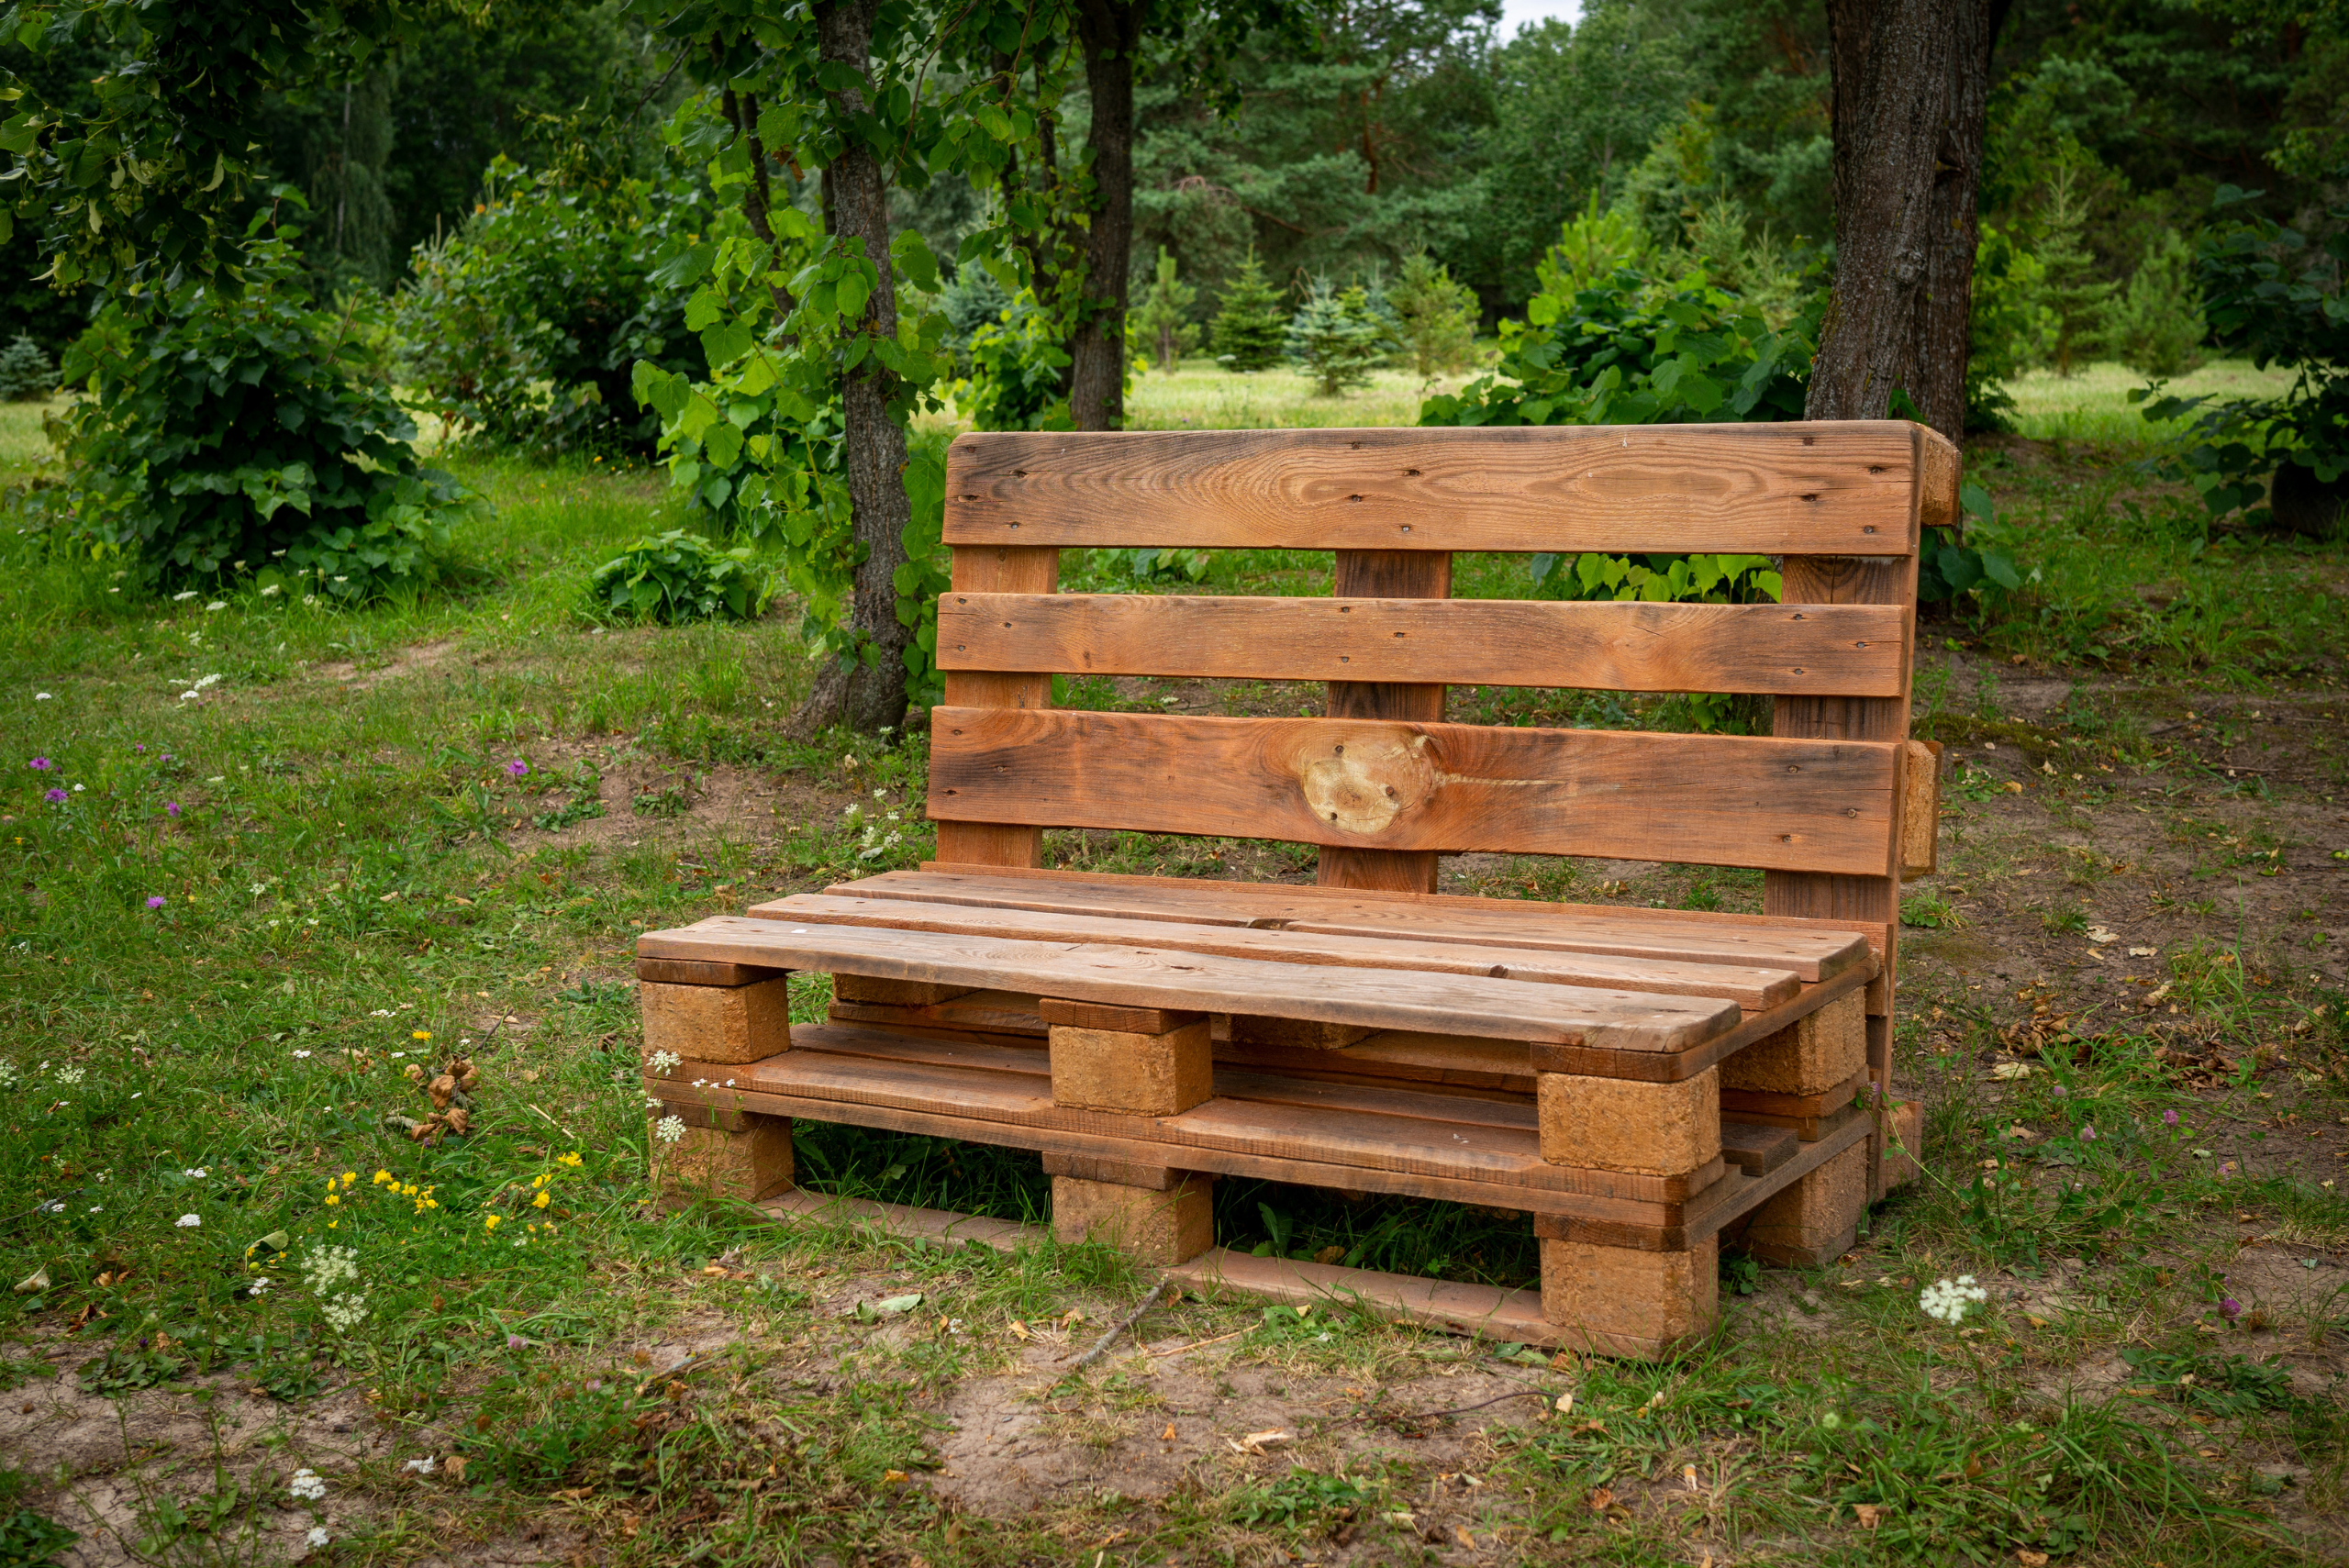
(383, 1176)
(570, 1160)
(537, 1181)
(349, 1177)
(421, 1034)
(539, 1201)
(432, 1203)
(491, 1223)
(332, 1200)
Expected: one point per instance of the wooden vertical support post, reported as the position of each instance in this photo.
(1140, 1062)
(1386, 574)
(1866, 580)
(733, 1016)
(983, 569)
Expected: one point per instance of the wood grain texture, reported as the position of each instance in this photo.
(1751, 986)
(1805, 650)
(1712, 800)
(1512, 1316)
(1000, 570)
(1059, 1010)
(1765, 489)
(1921, 809)
(1813, 949)
(1147, 977)
(1394, 574)
(671, 971)
(1757, 1148)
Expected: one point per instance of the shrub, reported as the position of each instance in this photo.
(677, 576)
(27, 375)
(2010, 326)
(1018, 371)
(1339, 335)
(2155, 326)
(1250, 325)
(524, 325)
(1160, 322)
(233, 433)
(1436, 317)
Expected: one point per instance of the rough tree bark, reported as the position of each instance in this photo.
(1943, 341)
(871, 692)
(1110, 32)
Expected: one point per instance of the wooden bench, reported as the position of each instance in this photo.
(1644, 1084)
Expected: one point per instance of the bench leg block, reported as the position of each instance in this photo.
(1616, 1124)
(1904, 1147)
(1160, 1227)
(721, 1024)
(1138, 1074)
(751, 1162)
(1815, 1220)
(1623, 1301)
(1810, 1056)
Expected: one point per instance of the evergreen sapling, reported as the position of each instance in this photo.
(1250, 325)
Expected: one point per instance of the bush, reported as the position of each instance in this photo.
(1436, 317)
(1339, 335)
(1018, 371)
(2155, 326)
(27, 375)
(240, 433)
(1250, 325)
(677, 576)
(2010, 326)
(524, 325)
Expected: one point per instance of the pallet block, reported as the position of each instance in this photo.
(1616, 1124)
(1814, 1054)
(749, 1161)
(725, 1024)
(1141, 1075)
(1813, 1221)
(1154, 1225)
(1626, 1301)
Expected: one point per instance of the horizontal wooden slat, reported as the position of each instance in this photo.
(1816, 805)
(1750, 987)
(1146, 977)
(1842, 488)
(1816, 649)
(1813, 949)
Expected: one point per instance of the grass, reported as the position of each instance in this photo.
(2092, 403)
(354, 885)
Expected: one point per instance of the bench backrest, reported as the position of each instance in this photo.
(1381, 783)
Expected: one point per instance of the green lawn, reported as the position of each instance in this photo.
(304, 857)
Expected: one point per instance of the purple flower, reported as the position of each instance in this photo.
(54, 796)
(154, 901)
(2061, 1091)
(42, 764)
(170, 808)
(138, 746)
(516, 1343)
(2226, 1167)
(2088, 1133)
(517, 769)
(2231, 1309)
(2169, 1118)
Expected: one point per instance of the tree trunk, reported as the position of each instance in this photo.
(869, 693)
(1110, 33)
(1945, 339)
(1892, 61)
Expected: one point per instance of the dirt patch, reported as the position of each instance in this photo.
(416, 659)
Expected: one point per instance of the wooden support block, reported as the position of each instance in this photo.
(1141, 1075)
(1757, 1148)
(1810, 1056)
(1905, 1148)
(725, 1024)
(1810, 1115)
(874, 993)
(1813, 1221)
(1621, 1300)
(1111, 1017)
(751, 1164)
(1614, 1124)
(1290, 1034)
(1920, 808)
(1162, 1227)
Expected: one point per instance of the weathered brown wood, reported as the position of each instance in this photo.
(1385, 575)
(1512, 1316)
(853, 988)
(1813, 949)
(999, 569)
(1061, 1011)
(685, 971)
(1750, 1102)
(982, 1012)
(1921, 809)
(1808, 1127)
(1815, 650)
(1763, 489)
(1144, 977)
(1757, 1148)
(1749, 985)
(1717, 800)
(1735, 1193)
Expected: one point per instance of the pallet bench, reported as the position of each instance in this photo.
(1643, 1084)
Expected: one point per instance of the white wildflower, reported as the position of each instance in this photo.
(669, 1129)
(183, 597)
(345, 1313)
(325, 1268)
(44, 696)
(260, 1287)
(1946, 1300)
(215, 605)
(271, 592)
(308, 1486)
(664, 1061)
(301, 1055)
(9, 1076)
(381, 1013)
(196, 1172)
(317, 1536)
(189, 1222)
(421, 1467)
(72, 1075)
(309, 598)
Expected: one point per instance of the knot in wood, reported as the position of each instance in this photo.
(1363, 783)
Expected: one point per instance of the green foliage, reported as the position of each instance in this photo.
(27, 374)
(1593, 245)
(1250, 325)
(248, 434)
(1947, 568)
(677, 576)
(524, 325)
(1435, 317)
(2156, 327)
(1675, 579)
(2009, 326)
(2073, 291)
(1161, 322)
(1018, 377)
(1339, 335)
(29, 1539)
(1303, 1496)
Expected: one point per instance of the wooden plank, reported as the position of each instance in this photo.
(1384, 574)
(1718, 1206)
(1815, 650)
(941, 1226)
(1478, 1311)
(1813, 949)
(1095, 1015)
(1921, 809)
(999, 569)
(1761, 1102)
(685, 972)
(1749, 985)
(1147, 977)
(1702, 799)
(1762, 489)
(986, 1012)
(1756, 1148)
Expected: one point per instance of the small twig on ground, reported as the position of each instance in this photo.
(1463, 1409)
(557, 1125)
(1101, 1345)
(681, 1366)
(1202, 1344)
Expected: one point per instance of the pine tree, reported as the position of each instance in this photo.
(1249, 325)
(2156, 327)
(26, 373)
(1339, 335)
(1160, 321)
(1436, 317)
(2076, 294)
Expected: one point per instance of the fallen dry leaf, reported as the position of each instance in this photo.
(1019, 1330)
(1460, 1533)
(2030, 1559)
(1869, 1514)
(454, 1466)
(1601, 1499)
(1257, 1443)
(2145, 953)
(1168, 1435)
